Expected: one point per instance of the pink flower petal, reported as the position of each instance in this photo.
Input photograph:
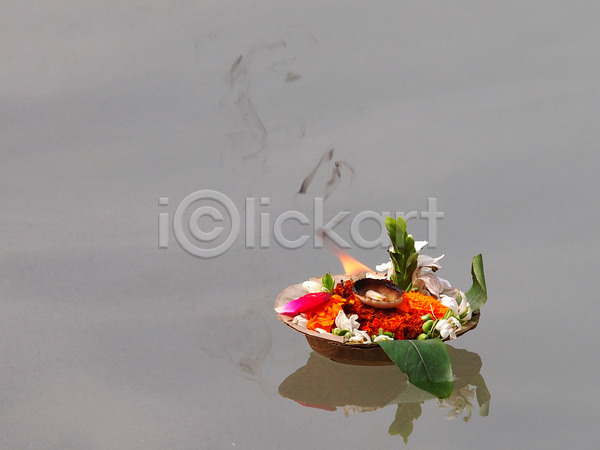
(304, 303)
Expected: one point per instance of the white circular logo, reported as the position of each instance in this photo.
(180, 225)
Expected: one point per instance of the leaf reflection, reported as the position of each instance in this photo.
(329, 385)
(405, 416)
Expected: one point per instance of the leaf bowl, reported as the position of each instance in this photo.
(334, 347)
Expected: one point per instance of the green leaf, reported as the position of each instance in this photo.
(403, 422)
(328, 283)
(477, 295)
(427, 364)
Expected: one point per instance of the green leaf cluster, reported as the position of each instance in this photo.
(402, 252)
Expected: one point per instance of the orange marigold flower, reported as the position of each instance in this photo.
(324, 317)
(404, 322)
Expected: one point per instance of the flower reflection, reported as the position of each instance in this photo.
(461, 400)
(328, 385)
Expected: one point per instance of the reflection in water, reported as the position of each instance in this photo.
(328, 385)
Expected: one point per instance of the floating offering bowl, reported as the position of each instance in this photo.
(334, 347)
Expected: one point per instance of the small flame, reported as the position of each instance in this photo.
(351, 265)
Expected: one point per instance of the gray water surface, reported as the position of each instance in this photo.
(108, 341)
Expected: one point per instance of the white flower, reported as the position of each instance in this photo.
(386, 267)
(419, 245)
(426, 281)
(448, 327)
(428, 261)
(462, 311)
(460, 314)
(445, 328)
(313, 287)
(301, 320)
(429, 283)
(344, 322)
(449, 302)
(448, 289)
(351, 324)
(382, 337)
(361, 337)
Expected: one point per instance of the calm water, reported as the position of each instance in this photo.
(113, 114)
